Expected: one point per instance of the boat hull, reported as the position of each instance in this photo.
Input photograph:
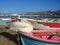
(52, 25)
(26, 39)
(45, 25)
(29, 41)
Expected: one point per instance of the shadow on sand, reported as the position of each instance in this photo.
(10, 37)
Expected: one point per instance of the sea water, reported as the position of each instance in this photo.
(3, 22)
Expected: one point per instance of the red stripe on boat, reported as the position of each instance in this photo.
(53, 25)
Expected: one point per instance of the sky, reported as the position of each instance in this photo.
(21, 6)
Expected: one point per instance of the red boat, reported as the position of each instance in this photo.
(42, 24)
(52, 25)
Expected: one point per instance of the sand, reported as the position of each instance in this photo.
(8, 37)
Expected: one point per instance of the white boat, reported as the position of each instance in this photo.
(45, 24)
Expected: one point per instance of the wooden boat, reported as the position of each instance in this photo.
(40, 37)
(42, 24)
(52, 25)
(7, 20)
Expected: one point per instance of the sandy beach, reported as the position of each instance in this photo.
(8, 37)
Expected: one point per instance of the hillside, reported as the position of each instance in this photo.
(43, 13)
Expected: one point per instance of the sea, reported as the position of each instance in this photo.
(4, 22)
(27, 16)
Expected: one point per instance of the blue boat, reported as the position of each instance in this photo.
(27, 40)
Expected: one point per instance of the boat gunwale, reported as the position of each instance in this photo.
(39, 40)
(49, 22)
